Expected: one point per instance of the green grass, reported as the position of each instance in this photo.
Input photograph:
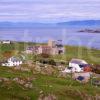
(20, 46)
(14, 46)
(64, 89)
(7, 72)
(92, 56)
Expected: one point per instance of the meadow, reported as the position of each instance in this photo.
(92, 56)
(62, 88)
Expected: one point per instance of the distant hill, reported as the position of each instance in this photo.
(82, 23)
(61, 24)
(23, 24)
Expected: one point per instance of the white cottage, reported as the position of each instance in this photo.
(13, 61)
(74, 66)
(6, 42)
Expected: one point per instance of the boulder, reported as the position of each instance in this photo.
(47, 97)
(47, 70)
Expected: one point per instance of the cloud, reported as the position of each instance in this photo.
(49, 10)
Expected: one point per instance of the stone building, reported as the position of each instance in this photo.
(52, 48)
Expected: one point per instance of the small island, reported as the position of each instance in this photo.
(90, 30)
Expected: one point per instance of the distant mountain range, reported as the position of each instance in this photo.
(84, 22)
(22, 25)
(32, 24)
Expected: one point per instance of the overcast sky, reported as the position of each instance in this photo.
(49, 10)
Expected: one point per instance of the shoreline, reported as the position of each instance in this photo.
(29, 42)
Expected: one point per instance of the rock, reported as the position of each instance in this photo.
(16, 79)
(38, 68)
(41, 92)
(5, 79)
(25, 69)
(17, 68)
(97, 97)
(48, 97)
(82, 77)
(1, 80)
(21, 82)
(31, 86)
(62, 74)
(27, 85)
(47, 71)
(61, 68)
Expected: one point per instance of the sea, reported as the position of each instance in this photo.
(68, 35)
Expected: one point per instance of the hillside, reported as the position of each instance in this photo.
(81, 23)
(43, 86)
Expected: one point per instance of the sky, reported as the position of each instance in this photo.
(49, 11)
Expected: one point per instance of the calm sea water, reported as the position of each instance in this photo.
(70, 36)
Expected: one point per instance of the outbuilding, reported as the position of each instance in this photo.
(13, 61)
(77, 65)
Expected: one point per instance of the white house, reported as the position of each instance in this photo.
(13, 61)
(74, 66)
(29, 50)
(6, 42)
(32, 49)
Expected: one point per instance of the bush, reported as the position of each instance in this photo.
(51, 62)
(47, 61)
(96, 69)
(44, 55)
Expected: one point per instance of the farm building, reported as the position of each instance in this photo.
(53, 48)
(78, 65)
(6, 42)
(13, 61)
(82, 77)
(56, 47)
(32, 49)
(44, 50)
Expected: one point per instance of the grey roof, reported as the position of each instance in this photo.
(14, 59)
(77, 61)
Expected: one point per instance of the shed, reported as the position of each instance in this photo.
(76, 65)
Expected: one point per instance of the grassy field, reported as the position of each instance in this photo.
(63, 89)
(92, 56)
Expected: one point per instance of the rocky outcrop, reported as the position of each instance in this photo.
(24, 82)
(47, 97)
